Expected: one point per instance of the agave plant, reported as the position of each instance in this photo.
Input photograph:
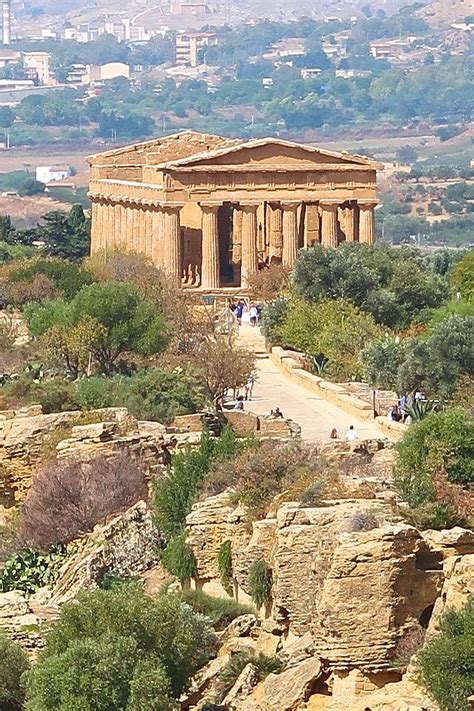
(420, 409)
(319, 363)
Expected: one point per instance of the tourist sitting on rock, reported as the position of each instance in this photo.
(239, 404)
(351, 434)
(276, 413)
(334, 434)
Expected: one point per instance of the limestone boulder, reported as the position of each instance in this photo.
(452, 541)
(239, 627)
(290, 689)
(374, 593)
(243, 687)
(458, 586)
(127, 545)
(22, 619)
(305, 542)
(297, 650)
(209, 524)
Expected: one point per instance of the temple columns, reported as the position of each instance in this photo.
(275, 228)
(290, 234)
(96, 239)
(210, 247)
(157, 237)
(352, 224)
(366, 223)
(312, 231)
(236, 242)
(249, 242)
(329, 226)
(172, 243)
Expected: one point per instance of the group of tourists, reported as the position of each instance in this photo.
(400, 412)
(238, 308)
(350, 435)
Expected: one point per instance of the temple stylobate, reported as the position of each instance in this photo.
(210, 211)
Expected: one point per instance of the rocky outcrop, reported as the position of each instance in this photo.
(286, 691)
(210, 523)
(28, 438)
(373, 595)
(23, 619)
(457, 587)
(306, 539)
(127, 545)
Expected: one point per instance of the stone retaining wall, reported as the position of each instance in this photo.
(335, 393)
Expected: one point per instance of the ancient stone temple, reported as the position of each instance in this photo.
(211, 211)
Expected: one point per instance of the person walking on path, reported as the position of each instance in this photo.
(249, 387)
(239, 310)
(253, 313)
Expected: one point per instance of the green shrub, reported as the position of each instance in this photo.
(108, 643)
(175, 493)
(331, 329)
(260, 583)
(446, 662)
(273, 317)
(178, 558)
(264, 666)
(54, 395)
(148, 394)
(441, 446)
(29, 569)
(13, 663)
(224, 564)
(66, 276)
(220, 610)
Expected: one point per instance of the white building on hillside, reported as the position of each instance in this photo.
(52, 173)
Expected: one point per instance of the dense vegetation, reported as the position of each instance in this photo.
(112, 333)
(145, 649)
(445, 662)
(404, 320)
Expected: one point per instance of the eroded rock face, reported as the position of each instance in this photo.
(374, 593)
(305, 542)
(127, 545)
(210, 523)
(29, 438)
(283, 692)
(457, 587)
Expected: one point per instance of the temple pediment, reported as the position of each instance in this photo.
(269, 154)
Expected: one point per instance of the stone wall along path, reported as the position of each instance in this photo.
(315, 415)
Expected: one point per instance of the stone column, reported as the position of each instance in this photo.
(236, 242)
(172, 243)
(249, 242)
(141, 235)
(116, 223)
(366, 223)
(95, 233)
(121, 222)
(275, 225)
(157, 237)
(290, 234)
(352, 223)
(312, 229)
(111, 226)
(210, 247)
(329, 227)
